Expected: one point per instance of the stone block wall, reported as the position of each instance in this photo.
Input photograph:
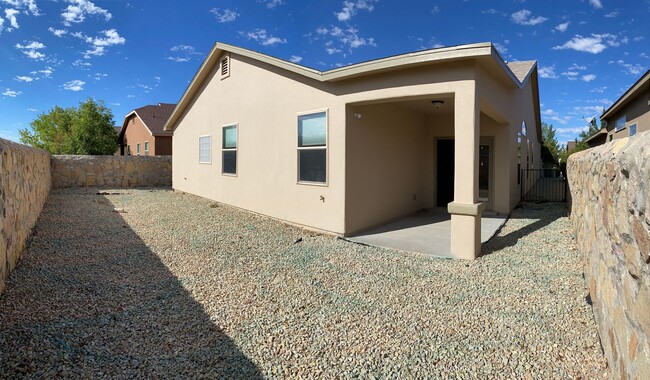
(25, 182)
(610, 188)
(111, 171)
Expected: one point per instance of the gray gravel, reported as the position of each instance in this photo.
(153, 283)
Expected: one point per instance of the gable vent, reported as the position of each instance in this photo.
(225, 67)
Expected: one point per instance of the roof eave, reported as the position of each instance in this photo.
(645, 78)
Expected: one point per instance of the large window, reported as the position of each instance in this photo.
(229, 150)
(205, 148)
(146, 148)
(312, 147)
(137, 149)
(632, 129)
(620, 123)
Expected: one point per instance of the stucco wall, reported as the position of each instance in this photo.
(25, 182)
(610, 211)
(111, 171)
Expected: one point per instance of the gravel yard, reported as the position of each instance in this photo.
(153, 283)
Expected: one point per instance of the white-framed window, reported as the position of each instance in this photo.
(632, 129)
(137, 149)
(146, 148)
(205, 149)
(229, 149)
(312, 147)
(620, 123)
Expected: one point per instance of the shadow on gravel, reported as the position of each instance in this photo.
(89, 299)
(524, 211)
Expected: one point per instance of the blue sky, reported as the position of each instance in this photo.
(133, 53)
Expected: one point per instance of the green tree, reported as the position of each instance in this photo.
(87, 129)
(550, 142)
(50, 131)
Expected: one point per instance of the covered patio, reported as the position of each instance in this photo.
(449, 153)
(427, 232)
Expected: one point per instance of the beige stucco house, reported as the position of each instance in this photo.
(354, 147)
(630, 114)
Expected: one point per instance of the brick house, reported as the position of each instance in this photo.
(142, 131)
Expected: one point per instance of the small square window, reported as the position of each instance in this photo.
(205, 147)
(632, 129)
(229, 150)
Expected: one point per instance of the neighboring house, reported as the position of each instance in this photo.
(357, 146)
(598, 138)
(630, 114)
(570, 146)
(142, 132)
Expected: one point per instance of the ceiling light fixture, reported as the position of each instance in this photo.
(437, 103)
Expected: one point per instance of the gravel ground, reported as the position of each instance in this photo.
(153, 283)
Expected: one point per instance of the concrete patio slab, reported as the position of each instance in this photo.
(427, 232)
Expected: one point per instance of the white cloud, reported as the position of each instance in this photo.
(130, 96)
(99, 76)
(227, 15)
(500, 48)
(629, 68)
(599, 90)
(571, 130)
(270, 4)
(588, 77)
(562, 27)
(347, 39)
(295, 59)
(81, 64)
(57, 32)
(98, 44)
(263, 38)
(490, 11)
(575, 66)
(524, 17)
(612, 14)
(435, 10)
(24, 78)
(596, 3)
(32, 109)
(22, 4)
(594, 44)
(31, 50)
(115, 104)
(11, 93)
(350, 8)
(547, 72)
(74, 85)
(79, 9)
(10, 15)
(571, 75)
(552, 115)
(182, 53)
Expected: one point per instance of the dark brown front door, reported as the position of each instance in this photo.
(445, 180)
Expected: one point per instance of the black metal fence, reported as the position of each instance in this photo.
(543, 185)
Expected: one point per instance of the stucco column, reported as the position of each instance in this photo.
(465, 210)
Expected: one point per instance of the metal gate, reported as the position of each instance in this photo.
(543, 185)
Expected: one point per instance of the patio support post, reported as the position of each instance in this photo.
(465, 210)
